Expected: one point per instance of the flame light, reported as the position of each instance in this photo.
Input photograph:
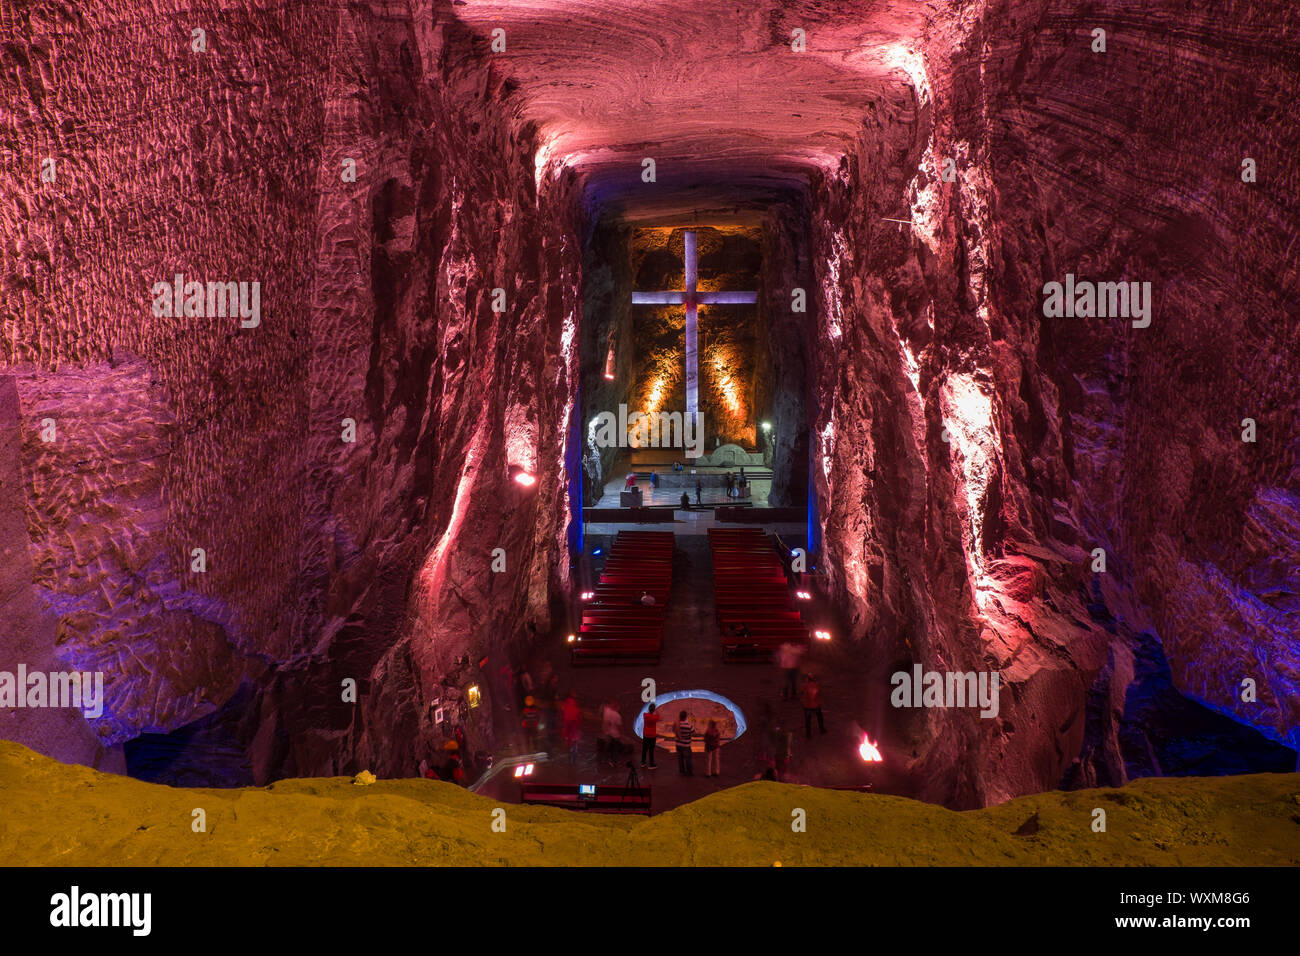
(726, 384)
(655, 397)
(869, 752)
(610, 363)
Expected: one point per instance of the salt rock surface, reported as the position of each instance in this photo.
(479, 170)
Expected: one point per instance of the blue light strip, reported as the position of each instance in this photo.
(639, 724)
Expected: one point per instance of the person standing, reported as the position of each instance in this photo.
(683, 735)
(550, 705)
(613, 727)
(452, 771)
(501, 690)
(812, 704)
(788, 656)
(572, 721)
(649, 736)
(529, 722)
(713, 750)
(525, 686)
(654, 480)
(699, 490)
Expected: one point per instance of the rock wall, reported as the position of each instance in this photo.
(606, 325)
(974, 453)
(143, 149)
(337, 156)
(250, 514)
(781, 372)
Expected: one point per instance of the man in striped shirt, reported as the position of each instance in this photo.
(683, 733)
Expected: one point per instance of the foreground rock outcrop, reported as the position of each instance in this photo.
(77, 817)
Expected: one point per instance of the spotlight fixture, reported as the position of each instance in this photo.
(822, 635)
(767, 426)
(524, 478)
(588, 595)
(572, 638)
(524, 770)
(803, 595)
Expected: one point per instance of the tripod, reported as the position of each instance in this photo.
(633, 782)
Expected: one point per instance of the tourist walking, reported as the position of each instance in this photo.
(524, 685)
(788, 656)
(529, 722)
(713, 750)
(612, 724)
(571, 717)
(550, 705)
(649, 736)
(812, 704)
(683, 735)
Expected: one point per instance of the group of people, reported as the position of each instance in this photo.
(548, 718)
(682, 732)
(699, 496)
(788, 657)
(540, 704)
(451, 768)
(737, 487)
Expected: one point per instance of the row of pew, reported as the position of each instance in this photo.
(616, 625)
(750, 591)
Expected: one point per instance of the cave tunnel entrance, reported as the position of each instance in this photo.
(639, 445)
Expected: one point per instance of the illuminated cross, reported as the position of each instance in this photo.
(692, 298)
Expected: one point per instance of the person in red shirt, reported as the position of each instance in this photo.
(529, 722)
(649, 736)
(812, 704)
(571, 717)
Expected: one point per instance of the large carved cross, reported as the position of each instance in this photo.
(692, 298)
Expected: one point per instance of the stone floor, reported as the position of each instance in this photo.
(759, 489)
(692, 660)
